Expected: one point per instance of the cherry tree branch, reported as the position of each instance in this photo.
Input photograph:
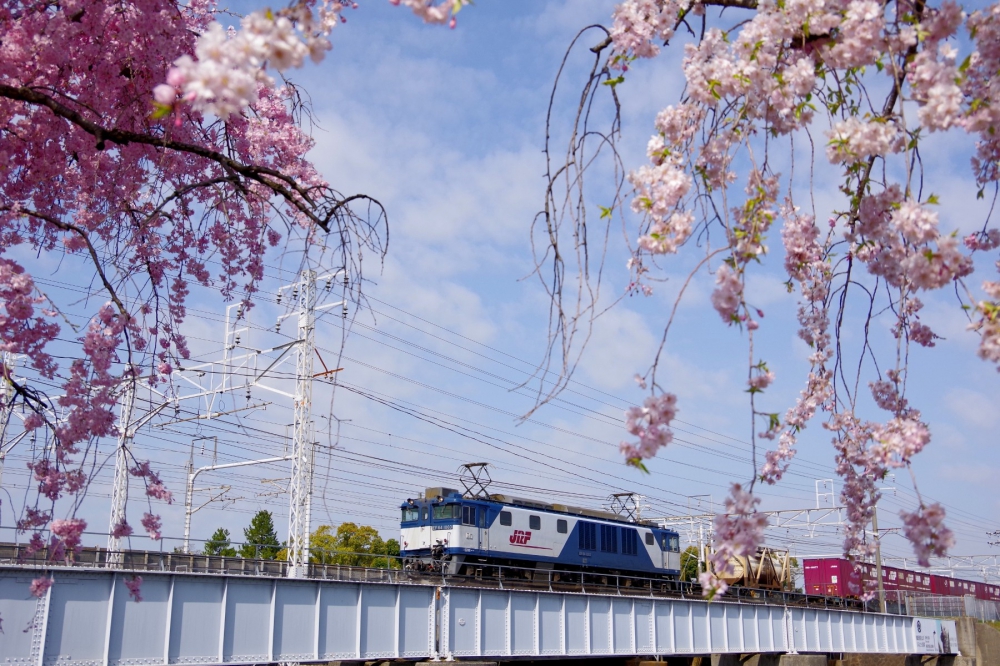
(287, 187)
(91, 250)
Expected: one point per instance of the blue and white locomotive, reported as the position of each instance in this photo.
(448, 533)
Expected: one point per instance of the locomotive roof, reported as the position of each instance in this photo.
(451, 493)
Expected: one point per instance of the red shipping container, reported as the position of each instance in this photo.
(831, 577)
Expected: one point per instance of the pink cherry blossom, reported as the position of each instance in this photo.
(122, 529)
(760, 380)
(134, 585)
(435, 11)
(728, 293)
(651, 424)
(152, 524)
(855, 140)
(738, 533)
(39, 586)
(926, 531)
(69, 532)
(885, 75)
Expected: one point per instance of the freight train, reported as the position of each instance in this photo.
(838, 577)
(448, 533)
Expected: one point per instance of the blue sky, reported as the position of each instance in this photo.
(445, 128)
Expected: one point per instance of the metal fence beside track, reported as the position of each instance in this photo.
(941, 606)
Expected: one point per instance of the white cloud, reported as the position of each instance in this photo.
(973, 407)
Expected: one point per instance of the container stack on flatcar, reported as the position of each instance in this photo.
(838, 577)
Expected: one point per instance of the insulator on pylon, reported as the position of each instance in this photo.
(295, 292)
(345, 312)
(277, 326)
(239, 312)
(279, 298)
(345, 279)
(236, 340)
(329, 283)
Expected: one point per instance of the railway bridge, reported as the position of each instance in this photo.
(89, 618)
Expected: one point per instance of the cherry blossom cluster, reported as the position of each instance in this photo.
(988, 325)
(435, 11)
(141, 218)
(728, 294)
(926, 531)
(640, 25)
(22, 331)
(757, 80)
(738, 533)
(866, 451)
(154, 486)
(806, 265)
(229, 67)
(134, 586)
(855, 140)
(651, 424)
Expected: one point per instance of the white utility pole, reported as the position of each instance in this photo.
(878, 547)
(8, 396)
(119, 489)
(304, 294)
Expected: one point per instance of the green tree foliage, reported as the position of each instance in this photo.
(261, 541)
(220, 544)
(352, 545)
(689, 564)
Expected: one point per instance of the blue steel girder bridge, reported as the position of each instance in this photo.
(88, 618)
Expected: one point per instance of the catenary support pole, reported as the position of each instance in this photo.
(119, 489)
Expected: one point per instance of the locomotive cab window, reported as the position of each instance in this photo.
(650, 540)
(445, 512)
(534, 522)
(468, 515)
(675, 544)
(561, 526)
(411, 514)
(505, 518)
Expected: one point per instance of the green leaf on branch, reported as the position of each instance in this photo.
(615, 81)
(160, 111)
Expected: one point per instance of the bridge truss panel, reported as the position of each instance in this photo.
(90, 618)
(514, 623)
